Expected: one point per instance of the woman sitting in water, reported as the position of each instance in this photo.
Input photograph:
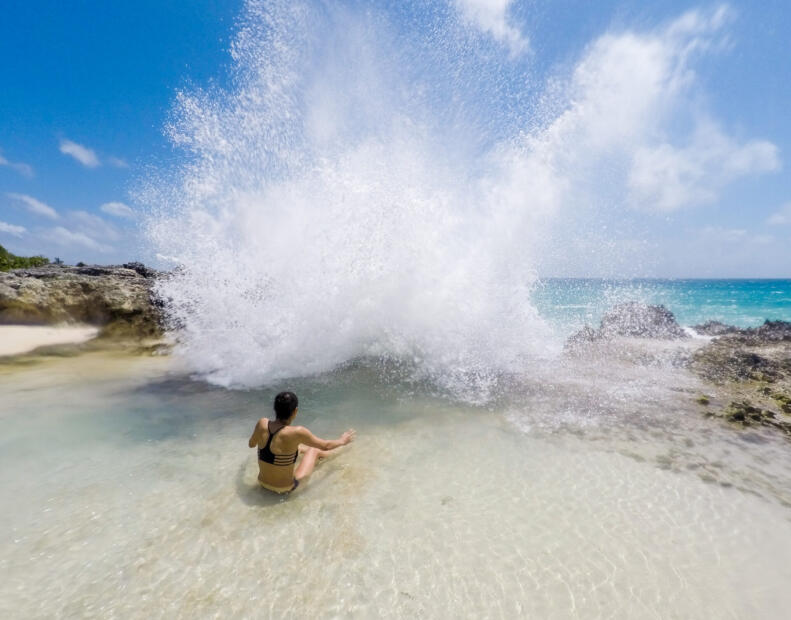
(279, 444)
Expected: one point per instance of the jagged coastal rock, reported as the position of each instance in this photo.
(632, 319)
(746, 373)
(117, 298)
(714, 328)
(751, 371)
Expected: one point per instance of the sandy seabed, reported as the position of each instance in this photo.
(128, 491)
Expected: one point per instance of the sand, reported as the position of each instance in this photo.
(17, 339)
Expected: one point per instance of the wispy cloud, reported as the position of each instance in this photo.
(618, 111)
(781, 217)
(491, 16)
(24, 169)
(93, 226)
(87, 157)
(666, 178)
(11, 229)
(69, 239)
(118, 209)
(117, 162)
(35, 206)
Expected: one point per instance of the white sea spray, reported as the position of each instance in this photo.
(360, 192)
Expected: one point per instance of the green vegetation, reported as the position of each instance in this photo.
(10, 261)
(783, 401)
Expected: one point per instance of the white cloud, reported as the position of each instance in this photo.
(626, 127)
(117, 162)
(781, 217)
(35, 206)
(666, 178)
(23, 169)
(118, 209)
(17, 231)
(66, 238)
(87, 157)
(616, 120)
(93, 226)
(491, 16)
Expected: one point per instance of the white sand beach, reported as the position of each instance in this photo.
(17, 339)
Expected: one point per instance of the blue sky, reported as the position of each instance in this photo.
(87, 88)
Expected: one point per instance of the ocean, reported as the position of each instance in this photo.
(570, 303)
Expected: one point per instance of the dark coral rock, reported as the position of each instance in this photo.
(715, 328)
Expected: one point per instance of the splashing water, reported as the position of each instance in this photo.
(358, 191)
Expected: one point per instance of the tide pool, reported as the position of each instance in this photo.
(588, 492)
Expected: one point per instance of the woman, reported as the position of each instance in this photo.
(279, 444)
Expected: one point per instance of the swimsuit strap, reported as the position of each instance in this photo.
(271, 432)
(265, 454)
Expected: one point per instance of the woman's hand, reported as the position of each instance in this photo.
(348, 436)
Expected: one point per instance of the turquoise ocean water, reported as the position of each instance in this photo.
(570, 303)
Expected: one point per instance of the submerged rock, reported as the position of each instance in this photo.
(118, 298)
(744, 413)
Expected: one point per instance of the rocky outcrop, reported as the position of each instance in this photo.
(745, 372)
(714, 328)
(770, 333)
(631, 319)
(751, 369)
(755, 354)
(117, 298)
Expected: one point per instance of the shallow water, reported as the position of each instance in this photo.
(128, 491)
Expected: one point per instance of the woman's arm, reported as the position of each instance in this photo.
(253, 441)
(309, 439)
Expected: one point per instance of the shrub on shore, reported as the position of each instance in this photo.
(11, 261)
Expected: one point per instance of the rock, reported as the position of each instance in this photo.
(783, 401)
(586, 334)
(632, 319)
(745, 413)
(752, 370)
(140, 268)
(117, 298)
(720, 364)
(714, 328)
(771, 332)
(641, 321)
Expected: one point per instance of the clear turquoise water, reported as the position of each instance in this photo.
(569, 303)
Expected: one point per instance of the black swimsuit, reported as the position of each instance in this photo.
(266, 455)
